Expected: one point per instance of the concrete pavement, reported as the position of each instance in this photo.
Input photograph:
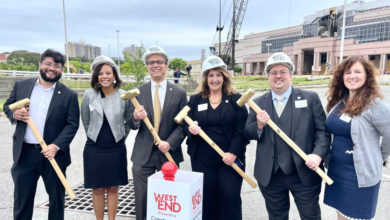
(253, 203)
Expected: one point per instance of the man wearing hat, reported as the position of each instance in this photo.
(54, 109)
(278, 169)
(160, 101)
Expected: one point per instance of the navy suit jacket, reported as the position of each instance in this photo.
(308, 132)
(62, 120)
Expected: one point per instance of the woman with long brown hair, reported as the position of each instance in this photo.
(358, 118)
(217, 113)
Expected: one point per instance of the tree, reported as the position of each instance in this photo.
(226, 59)
(23, 57)
(134, 65)
(177, 63)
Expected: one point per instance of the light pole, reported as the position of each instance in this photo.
(109, 50)
(66, 38)
(117, 37)
(343, 33)
(268, 45)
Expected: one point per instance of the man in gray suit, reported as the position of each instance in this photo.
(160, 101)
(278, 169)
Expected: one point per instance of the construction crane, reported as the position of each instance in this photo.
(239, 8)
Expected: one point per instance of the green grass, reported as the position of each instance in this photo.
(2, 101)
(73, 84)
(259, 83)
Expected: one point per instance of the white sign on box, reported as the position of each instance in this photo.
(180, 199)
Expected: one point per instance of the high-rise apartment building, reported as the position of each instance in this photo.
(81, 49)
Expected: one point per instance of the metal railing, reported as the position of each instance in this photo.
(17, 73)
(126, 78)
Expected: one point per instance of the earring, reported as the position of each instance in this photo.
(114, 81)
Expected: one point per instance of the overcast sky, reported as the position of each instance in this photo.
(182, 27)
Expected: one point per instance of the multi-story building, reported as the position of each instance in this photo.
(131, 50)
(314, 46)
(81, 49)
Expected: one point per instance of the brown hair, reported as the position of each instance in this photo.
(364, 95)
(227, 86)
(95, 75)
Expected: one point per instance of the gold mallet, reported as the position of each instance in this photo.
(246, 98)
(183, 115)
(21, 104)
(131, 95)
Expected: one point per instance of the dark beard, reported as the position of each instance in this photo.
(47, 79)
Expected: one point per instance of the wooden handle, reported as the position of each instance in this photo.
(52, 161)
(205, 137)
(291, 143)
(151, 129)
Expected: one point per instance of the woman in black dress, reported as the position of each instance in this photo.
(105, 118)
(217, 113)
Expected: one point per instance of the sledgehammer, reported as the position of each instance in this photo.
(131, 95)
(183, 115)
(246, 98)
(21, 104)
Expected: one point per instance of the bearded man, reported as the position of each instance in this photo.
(55, 111)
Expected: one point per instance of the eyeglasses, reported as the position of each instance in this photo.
(281, 73)
(54, 65)
(151, 62)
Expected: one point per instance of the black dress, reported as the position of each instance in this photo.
(105, 162)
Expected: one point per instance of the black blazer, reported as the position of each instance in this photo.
(62, 120)
(233, 122)
(308, 132)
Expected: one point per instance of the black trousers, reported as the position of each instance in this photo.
(221, 189)
(140, 178)
(277, 199)
(25, 174)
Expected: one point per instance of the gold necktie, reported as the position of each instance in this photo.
(157, 109)
(279, 105)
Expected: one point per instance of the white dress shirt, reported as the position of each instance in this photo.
(39, 105)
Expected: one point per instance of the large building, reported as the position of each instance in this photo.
(131, 50)
(81, 49)
(314, 46)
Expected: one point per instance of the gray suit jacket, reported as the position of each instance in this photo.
(170, 131)
(308, 132)
(116, 110)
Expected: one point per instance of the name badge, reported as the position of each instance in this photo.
(202, 107)
(301, 103)
(345, 117)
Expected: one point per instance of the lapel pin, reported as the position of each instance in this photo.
(59, 92)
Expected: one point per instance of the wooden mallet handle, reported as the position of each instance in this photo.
(291, 143)
(151, 128)
(21, 104)
(53, 162)
(190, 122)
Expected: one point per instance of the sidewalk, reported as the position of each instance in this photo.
(252, 200)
